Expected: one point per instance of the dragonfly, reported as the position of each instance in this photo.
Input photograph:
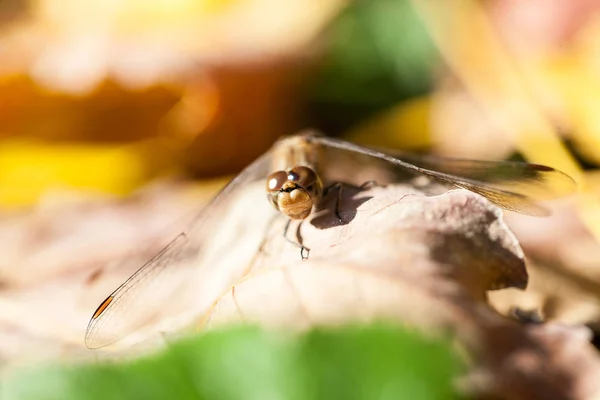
(296, 172)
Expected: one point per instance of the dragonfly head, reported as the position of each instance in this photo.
(294, 192)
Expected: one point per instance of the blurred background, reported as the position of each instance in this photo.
(119, 117)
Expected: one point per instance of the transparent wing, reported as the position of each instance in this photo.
(513, 186)
(533, 180)
(146, 296)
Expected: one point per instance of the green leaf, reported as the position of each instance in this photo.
(379, 53)
(376, 362)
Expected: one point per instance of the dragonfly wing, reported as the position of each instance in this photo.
(149, 294)
(511, 185)
(133, 304)
(534, 180)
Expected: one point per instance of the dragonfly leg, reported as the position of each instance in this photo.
(304, 251)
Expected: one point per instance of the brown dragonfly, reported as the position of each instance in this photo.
(297, 172)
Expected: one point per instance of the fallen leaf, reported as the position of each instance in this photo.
(400, 254)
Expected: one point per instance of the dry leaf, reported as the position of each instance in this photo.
(396, 236)
(423, 261)
(400, 255)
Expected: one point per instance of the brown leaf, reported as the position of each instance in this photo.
(423, 261)
(397, 234)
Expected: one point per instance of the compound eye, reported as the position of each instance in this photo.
(304, 176)
(276, 180)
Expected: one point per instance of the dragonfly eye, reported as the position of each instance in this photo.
(276, 180)
(304, 176)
